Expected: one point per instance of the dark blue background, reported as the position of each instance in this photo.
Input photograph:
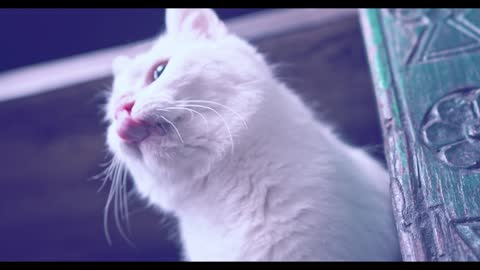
(31, 36)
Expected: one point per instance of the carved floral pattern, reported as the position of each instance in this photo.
(451, 129)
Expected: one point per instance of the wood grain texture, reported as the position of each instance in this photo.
(423, 64)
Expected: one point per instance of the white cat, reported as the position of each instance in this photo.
(210, 135)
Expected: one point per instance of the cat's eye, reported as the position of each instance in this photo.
(159, 70)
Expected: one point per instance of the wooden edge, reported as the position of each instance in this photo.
(395, 140)
(58, 74)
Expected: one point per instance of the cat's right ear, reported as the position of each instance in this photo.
(119, 63)
(194, 22)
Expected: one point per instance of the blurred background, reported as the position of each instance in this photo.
(38, 35)
(53, 142)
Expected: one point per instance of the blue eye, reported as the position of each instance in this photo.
(159, 70)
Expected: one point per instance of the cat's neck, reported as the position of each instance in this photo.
(242, 188)
(229, 180)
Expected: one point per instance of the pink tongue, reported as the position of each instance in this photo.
(131, 130)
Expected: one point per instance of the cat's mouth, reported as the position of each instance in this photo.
(134, 131)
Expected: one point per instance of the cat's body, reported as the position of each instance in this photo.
(286, 189)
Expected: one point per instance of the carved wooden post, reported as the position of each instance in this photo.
(425, 65)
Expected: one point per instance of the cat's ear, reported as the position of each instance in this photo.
(119, 63)
(195, 21)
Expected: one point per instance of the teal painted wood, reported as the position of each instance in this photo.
(425, 65)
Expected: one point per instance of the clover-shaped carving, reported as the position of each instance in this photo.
(451, 129)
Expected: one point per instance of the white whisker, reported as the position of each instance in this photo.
(114, 163)
(107, 205)
(219, 115)
(174, 127)
(117, 174)
(118, 206)
(191, 111)
(125, 201)
(218, 104)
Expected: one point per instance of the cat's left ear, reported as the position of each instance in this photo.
(195, 21)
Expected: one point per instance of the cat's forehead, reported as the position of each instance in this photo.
(165, 45)
(161, 49)
(143, 62)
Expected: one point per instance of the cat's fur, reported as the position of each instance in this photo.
(287, 189)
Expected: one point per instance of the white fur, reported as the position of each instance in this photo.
(288, 190)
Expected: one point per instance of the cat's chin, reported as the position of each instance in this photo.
(129, 149)
(161, 145)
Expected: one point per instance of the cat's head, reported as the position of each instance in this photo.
(181, 104)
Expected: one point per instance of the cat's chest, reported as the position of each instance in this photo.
(204, 240)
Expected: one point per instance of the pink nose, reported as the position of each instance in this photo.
(124, 107)
(128, 128)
